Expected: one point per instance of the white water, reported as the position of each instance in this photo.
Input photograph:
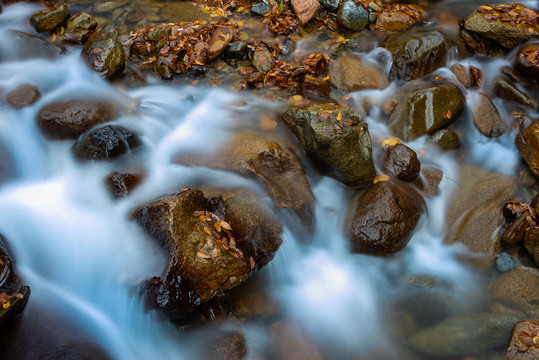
(75, 245)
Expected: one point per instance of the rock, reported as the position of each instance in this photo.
(464, 335)
(48, 20)
(104, 52)
(260, 8)
(305, 9)
(508, 33)
(331, 4)
(349, 72)
(24, 95)
(225, 345)
(505, 89)
(428, 180)
(221, 37)
(26, 46)
(179, 11)
(515, 231)
(401, 162)
(290, 341)
(109, 6)
(315, 86)
(253, 300)
(215, 242)
(384, 218)
(400, 19)
(79, 28)
(469, 77)
(352, 16)
(417, 52)
(527, 61)
(475, 213)
(120, 185)
(236, 51)
(445, 139)
(276, 168)
(164, 72)
(426, 111)
(517, 289)
(504, 262)
(486, 117)
(335, 136)
(527, 143)
(522, 345)
(262, 59)
(531, 243)
(105, 143)
(69, 119)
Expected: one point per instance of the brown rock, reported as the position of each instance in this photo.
(428, 180)
(120, 185)
(445, 139)
(398, 20)
(527, 61)
(350, 72)
(515, 231)
(315, 86)
(518, 289)
(225, 345)
(384, 218)
(262, 59)
(486, 117)
(221, 37)
(79, 28)
(48, 20)
(527, 143)
(290, 341)
(531, 243)
(305, 9)
(69, 119)
(23, 95)
(522, 345)
(402, 162)
(505, 89)
(104, 52)
(469, 77)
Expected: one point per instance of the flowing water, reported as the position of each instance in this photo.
(80, 253)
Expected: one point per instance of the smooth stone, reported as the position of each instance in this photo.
(352, 16)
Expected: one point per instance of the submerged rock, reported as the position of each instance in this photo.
(79, 28)
(48, 20)
(24, 95)
(384, 218)
(104, 52)
(527, 143)
(337, 137)
(105, 143)
(428, 180)
(349, 72)
(518, 289)
(486, 117)
(26, 46)
(292, 342)
(445, 139)
(523, 343)
(225, 345)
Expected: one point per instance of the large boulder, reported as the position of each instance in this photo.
(427, 110)
(417, 52)
(349, 72)
(527, 143)
(105, 143)
(69, 119)
(384, 218)
(336, 136)
(523, 343)
(104, 52)
(509, 24)
(215, 241)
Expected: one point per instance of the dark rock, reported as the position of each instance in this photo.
(445, 139)
(522, 345)
(331, 4)
(352, 16)
(464, 335)
(70, 119)
(104, 52)
(384, 218)
(292, 342)
(221, 37)
(349, 72)
(214, 244)
(428, 180)
(344, 143)
(26, 46)
(78, 28)
(260, 8)
(316, 86)
(401, 162)
(527, 143)
(515, 231)
(504, 89)
(48, 20)
(531, 243)
(426, 111)
(469, 77)
(225, 345)
(262, 59)
(23, 95)
(504, 33)
(486, 117)
(120, 185)
(417, 52)
(105, 143)
(399, 20)
(236, 51)
(158, 34)
(305, 9)
(504, 262)
(527, 61)
(518, 289)
(164, 72)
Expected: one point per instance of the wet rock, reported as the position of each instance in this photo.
(527, 143)
(527, 61)
(104, 52)
(70, 119)
(226, 345)
(105, 143)
(331, 4)
(515, 231)
(398, 20)
(26, 46)
(464, 335)
(384, 218)
(260, 8)
(531, 243)
(253, 300)
(120, 185)
(445, 139)
(290, 341)
(23, 95)
(215, 242)
(518, 289)
(504, 262)
(78, 28)
(352, 16)
(401, 162)
(178, 11)
(522, 345)
(475, 213)
(468, 76)
(305, 9)
(48, 20)
(164, 72)
(221, 37)
(506, 33)
(417, 52)
(486, 117)
(505, 89)
(315, 86)
(262, 59)
(236, 51)
(109, 6)
(426, 111)
(428, 180)
(335, 136)
(276, 168)
(349, 72)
